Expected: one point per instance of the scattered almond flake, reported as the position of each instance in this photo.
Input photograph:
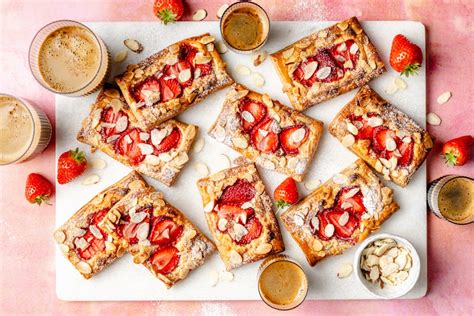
(226, 276)
(298, 135)
(348, 140)
(317, 245)
(199, 15)
(146, 149)
(213, 277)
(198, 145)
(390, 144)
(144, 136)
(444, 97)
(346, 269)
(298, 219)
(157, 136)
(107, 125)
(309, 69)
(152, 160)
(346, 205)
(221, 10)
(259, 58)
(121, 124)
(133, 45)
(210, 47)
(221, 47)
(64, 248)
(351, 193)
(184, 75)
(197, 73)
(433, 119)
(225, 161)
(340, 178)
(340, 58)
(96, 232)
(240, 142)
(201, 169)
(98, 164)
(137, 218)
(375, 121)
(222, 224)
(112, 138)
(343, 219)
(248, 116)
(60, 236)
(235, 258)
(312, 184)
(347, 64)
(391, 89)
(323, 73)
(120, 56)
(329, 230)
(263, 248)
(207, 39)
(258, 79)
(352, 129)
(209, 206)
(288, 53)
(83, 267)
(354, 48)
(201, 59)
(401, 85)
(263, 132)
(315, 223)
(92, 179)
(128, 139)
(385, 162)
(406, 139)
(243, 70)
(239, 95)
(342, 47)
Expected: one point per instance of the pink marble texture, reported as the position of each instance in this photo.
(27, 271)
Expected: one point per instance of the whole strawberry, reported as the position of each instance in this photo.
(38, 189)
(405, 57)
(286, 193)
(168, 10)
(456, 152)
(71, 164)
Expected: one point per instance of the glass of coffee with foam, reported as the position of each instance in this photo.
(67, 58)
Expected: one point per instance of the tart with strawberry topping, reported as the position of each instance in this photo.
(82, 240)
(267, 132)
(327, 63)
(157, 235)
(174, 79)
(240, 216)
(386, 138)
(340, 213)
(159, 151)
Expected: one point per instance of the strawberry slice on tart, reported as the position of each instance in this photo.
(322, 223)
(406, 152)
(165, 260)
(147, 91)
(264, 138)
(168, 143)
(251, 113)
(95, 245)
(292, 138)
(350, 199)
(235, 213)
(128, 229)
(165, 231)
(254, 230)
(169, 88)
(345, 54)
(109, 119)
(127, 145)
(344, 223)
(240, 192)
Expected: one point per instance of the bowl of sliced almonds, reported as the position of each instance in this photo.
(388, 266)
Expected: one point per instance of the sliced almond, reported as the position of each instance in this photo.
(239, 95)
(315, 224)
(433, 119)
(342, 47)
(298, 219)
(221, 10)
(198, 145)
(226, 276)
(348, 140)
(240, 142)
(143, 230)
(152, 160)
(221, 47)
(207, 39)
(401, 85)
(98, 164)
(146, 149)
(133, 45)
(137, 218)
(199, 15)
(267, 100)
(354, 49)
(248, 116)
(386, 162)
(120, 56)
(351, 193)
(213, 277)
(222, 224)
(352, 129)
(346, 205)
(323, 73)
(343, 219)
(298, 135)
(111, 139)
(309, 69)
(60, 236)
(235, 258)
(258, 79)
(201, 169)
(375, 121)
(92, 179)
(340, 178)
(121, 124)
(390, 144)
(348, 64)
(312, 184)
(210, 47)
(344, 270)
(391, 89)
(64, 248)
(96, 232)
(374, 273)
(444, 97)
(329, 230)
(288, 53)
(263, 248)
(157, 136)
(209, 206)
(84, 267)
(201, 59)
(184, 75)
(243, 70)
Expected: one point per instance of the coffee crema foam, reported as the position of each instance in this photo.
(69, 58)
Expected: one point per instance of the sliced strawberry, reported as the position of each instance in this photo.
(111, 117)
(150, 83)
(342, 232)
(257, 110)
(128, 230)
(254, 228)
(130, 149)
(233, 212)
(264, 138)
(187, 52)
(356, 201)
(240, 192)
(169, 142)
(380, 135)
(406, 150)
(324, 59)
(164, 231)
(95, 245)
(177, 68)
(287, 138)
(299, 73)
(323, 222)
(206, 69)
(169, 88)
(341, 54)
(366, 131)
(165, 260)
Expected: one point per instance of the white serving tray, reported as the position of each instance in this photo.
(125, 280)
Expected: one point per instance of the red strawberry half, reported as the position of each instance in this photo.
(164, 231)
(177, 68)
(128, 230)
(254, 228)
(324, 59)
(264, 138)
(165, 260)
(406, 150)
(299, 73)
(111, 117)
(169, 142)
(381, 134)
(292, 137)
(366, 131)
(240, 192)
(323, 222)
(233, 212)
(95, 245)
(342, 232)
(342, 53)
(169, 88)
(150, 83)
(356, 204)
(127, 145)
(257, 112)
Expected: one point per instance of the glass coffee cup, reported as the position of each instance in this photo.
(25, 130)
(68, 58)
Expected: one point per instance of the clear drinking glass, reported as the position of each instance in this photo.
(25, 130)
(99, 77)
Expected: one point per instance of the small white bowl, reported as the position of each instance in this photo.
(389, 291)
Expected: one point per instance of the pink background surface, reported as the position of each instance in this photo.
(27, 271)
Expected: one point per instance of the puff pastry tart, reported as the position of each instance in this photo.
(160, 151)
(86, 245)
(240, 216)
(327, 63)
(157, 235)
(266, 132)
(385, 137)
(172, 80)
(340, 213)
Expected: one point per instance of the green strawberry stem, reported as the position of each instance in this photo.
(79, 156)
(411, 69)
(282, 204)
(166, 16)
(451, 159)
(41, 198)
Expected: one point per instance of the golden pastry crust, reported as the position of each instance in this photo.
(377, 200)
(228, 130)
(267, 243)
(164, 167)
(70, 235)
(368, 66)
(150, 112)
(192, 247)
(406, 129)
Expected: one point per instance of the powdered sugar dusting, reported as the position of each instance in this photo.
(371, 200)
